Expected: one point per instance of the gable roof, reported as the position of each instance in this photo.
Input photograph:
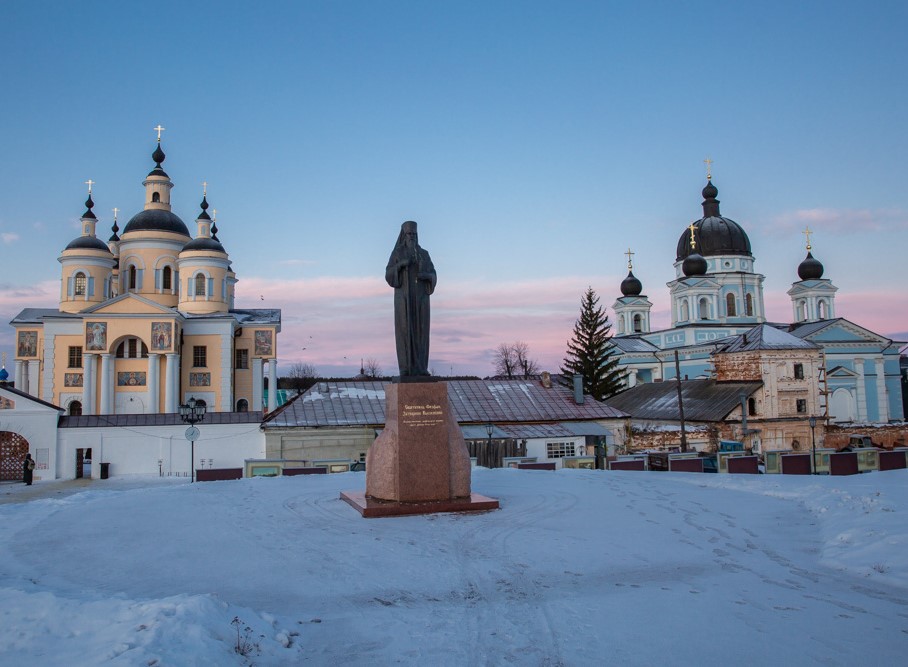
(36, 315)
(704, 400)
(763, 337)
(362, 403)
(28, 397)
(129, 296)
(809, 329)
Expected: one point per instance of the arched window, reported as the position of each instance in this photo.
(131, 279)
(821, 309)
(200, 282)
(242, 405)
(75, 409)
(704, 308)
(638, 323)
(620, 325)
(802, 311)
(132, 348)
(749, 305)
(166, 278)
(684, 312)
(730, 308)
(79, 283)
(155, 197)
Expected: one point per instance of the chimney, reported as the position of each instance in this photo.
(578, 388)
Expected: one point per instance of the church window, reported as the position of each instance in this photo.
(156, 197)
(802, 405)
(684, 314)
(131, 348)
(620, 325)
(199, 356)
(132, 278)
(799, 371)
(242, 360)
(821, 309)
(730, 309)
(75, 409)
(749, 305)
(166, 278)
(638, 323)
(200, 282)
(751, 406)
(242, 405)
(704, 308)
(75, 357)
(79, 283)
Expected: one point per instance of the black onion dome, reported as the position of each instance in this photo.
(810, 268)
(156, 220)
(158, 156)
(204, 243)
(715, 235)
(115, 228)
(631, 286)
(204, 206)
(214, 231)
(89, 204)
(694, 265)
(87, 243)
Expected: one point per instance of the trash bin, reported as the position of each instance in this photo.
(105, 470)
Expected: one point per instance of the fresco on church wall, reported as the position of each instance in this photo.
(263, 343)
(72, 379)
(161, 335)
(96, 336)
(6, 404)
(131, 379)
(28, 344)
(200, 379)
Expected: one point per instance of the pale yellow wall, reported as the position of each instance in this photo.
(213, 343)
(247, 340)
(73, 265)
(191, 263)
(61, 363)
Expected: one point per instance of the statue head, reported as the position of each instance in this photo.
(408, 236)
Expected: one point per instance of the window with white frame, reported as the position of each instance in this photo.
(79, 283)
(200, 284)
(558, 450)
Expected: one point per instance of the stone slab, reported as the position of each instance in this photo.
(372, 508)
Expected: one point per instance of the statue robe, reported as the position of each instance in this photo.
(411, 273)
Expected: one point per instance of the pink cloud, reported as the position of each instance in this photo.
(9, 237)
(841, 222)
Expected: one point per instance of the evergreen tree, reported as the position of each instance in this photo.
(590, 352)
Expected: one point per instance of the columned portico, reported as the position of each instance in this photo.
(107, 389)
(154, 382)
(172, 383)
(88, 384)
(272, 385)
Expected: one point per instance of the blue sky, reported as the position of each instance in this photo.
(533, 142)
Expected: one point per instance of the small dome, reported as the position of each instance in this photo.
(810, 268)
(4, 375)
(156, 220)
(694, 265)
(158, 155)
(204, 243)
(714, 234)
(87, 243)
(631, 286)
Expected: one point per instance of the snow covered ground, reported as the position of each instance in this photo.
(577, 568)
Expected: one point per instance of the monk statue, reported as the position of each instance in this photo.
(411, 274)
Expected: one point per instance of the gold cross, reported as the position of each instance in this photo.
(629, 262)
(214, 214)
(89, 183)
(159, 129)
(116, 210)
(4, 358)
(709, 168)
(807, 233)
(204, 188)
(693, 242)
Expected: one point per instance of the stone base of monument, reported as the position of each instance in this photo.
(419, 464)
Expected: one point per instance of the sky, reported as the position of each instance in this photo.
(708, 570)
(533, 142)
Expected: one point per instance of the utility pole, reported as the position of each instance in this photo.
(680, 402)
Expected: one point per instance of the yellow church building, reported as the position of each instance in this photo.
(147, 320)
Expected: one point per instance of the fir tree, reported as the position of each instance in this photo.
(590, 351)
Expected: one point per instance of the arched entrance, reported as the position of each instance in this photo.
(13, 448)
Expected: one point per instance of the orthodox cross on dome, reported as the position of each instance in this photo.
(89, 183)
(630, 255)
(159, 129)
(693, 242)
(214, 214)
(807, 233)
(115, 210)
(4, 358)
(709, 168)
(204, 188)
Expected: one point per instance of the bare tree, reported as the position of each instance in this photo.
(526, 367)
(300, 377)
(372, 368)
(512, 360)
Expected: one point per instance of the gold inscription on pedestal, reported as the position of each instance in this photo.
(422, 415)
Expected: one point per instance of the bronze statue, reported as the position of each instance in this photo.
(411, 274)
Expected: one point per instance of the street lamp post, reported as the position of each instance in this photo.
(489, 429)
(813, 445)
(192, 412)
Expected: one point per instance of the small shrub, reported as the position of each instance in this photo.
(244, 644)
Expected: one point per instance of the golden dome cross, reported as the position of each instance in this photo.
(630, 255)
(693, 242)
(709, 168)
(159, 129)
(807, 233)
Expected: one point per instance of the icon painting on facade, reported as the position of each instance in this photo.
(161, 335)
(28, 344)
(263, 343)
(96, 336)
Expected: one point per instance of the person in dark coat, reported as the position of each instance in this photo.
(28, 467)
